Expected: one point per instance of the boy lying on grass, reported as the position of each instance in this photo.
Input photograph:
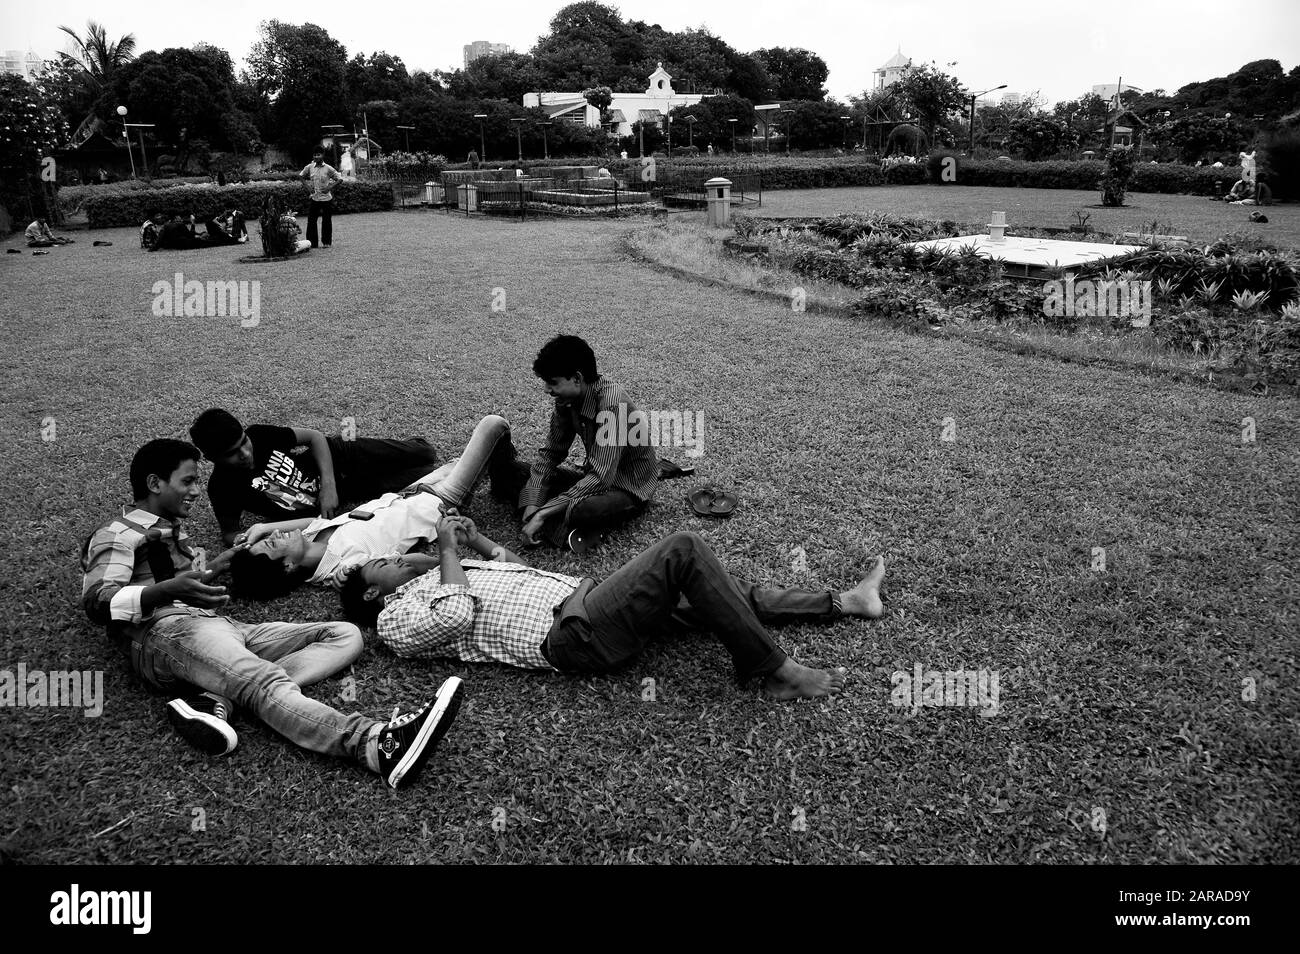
(279, 556)
(145, 582)
(496, 609)
(276, 471)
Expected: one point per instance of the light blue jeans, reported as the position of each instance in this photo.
(262, 668)
(455, 479)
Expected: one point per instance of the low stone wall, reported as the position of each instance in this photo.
(562, 197)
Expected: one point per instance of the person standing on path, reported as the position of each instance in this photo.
(322, 177)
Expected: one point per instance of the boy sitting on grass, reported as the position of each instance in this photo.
(278, 472)
(566, 506)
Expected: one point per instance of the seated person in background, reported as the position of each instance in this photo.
(565, 506)
(227, 228)
(151, 229)
(276, 471)
(38, 235)
(177, 233)
(320, 551)
(291, 231)
(495, 609)
(147, 585)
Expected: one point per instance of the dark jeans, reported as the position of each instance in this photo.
(369, 467)
(680, 580)
(219, 236)
(323, 210)
(602, 511)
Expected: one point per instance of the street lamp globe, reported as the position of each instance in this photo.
(121, 110)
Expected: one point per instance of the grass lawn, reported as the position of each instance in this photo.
(1121, 692)
(1200, 219)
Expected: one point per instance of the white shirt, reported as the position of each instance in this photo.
(398, 524)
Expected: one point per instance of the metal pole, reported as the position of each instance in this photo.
(971, 147)
(126, 134)
(144, 158)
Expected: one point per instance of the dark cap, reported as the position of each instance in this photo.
(216, 432)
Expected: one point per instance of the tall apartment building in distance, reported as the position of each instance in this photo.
(482, 48)
(21, 64)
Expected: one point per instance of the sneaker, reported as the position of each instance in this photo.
(202, 721)
(584, 541)
(406, 743)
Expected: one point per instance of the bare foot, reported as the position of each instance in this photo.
(793, 681)
(864, 599)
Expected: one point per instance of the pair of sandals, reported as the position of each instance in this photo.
(711, 501)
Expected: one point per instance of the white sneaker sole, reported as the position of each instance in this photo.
(205, 732)
(439, 719)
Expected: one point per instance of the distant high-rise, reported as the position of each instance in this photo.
(890, 73)
(17, 63)
(483, 48)
(1010, 99)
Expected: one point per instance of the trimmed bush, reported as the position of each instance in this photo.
(1085, 174)
(205, 200)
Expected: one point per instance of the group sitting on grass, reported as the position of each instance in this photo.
(159, 597)
(163, 231)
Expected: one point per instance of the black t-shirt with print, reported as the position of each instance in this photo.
(284, 483)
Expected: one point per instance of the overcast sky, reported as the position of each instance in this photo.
(1062, 49)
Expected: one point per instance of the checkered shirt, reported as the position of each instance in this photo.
(504, 615)
(116, 571)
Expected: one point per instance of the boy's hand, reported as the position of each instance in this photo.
(258, 531)
(466, 532)
(329, 502)
(188, 587)
(529, 511)
(532, 528)
(447, 527)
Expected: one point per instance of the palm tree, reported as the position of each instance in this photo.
(98, 59)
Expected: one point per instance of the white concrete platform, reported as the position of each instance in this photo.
(1032, 256)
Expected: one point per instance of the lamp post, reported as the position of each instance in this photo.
(669, 124)
(733, 135)
(546, 145)
(789, 127)
(144, 156)
(690, 129)
(844, 138)
(970, 148)
(121, 111)
(519, 136)
(482, 142)
(406, 136)
(766, 113)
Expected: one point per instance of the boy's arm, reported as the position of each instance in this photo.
(320, 452)
(552, 453)
(260, 531)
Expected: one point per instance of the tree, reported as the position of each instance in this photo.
(1038, 137)
(1199, 136)
(380, 76)
(1084, 118)
(748, 78)
(931, 94)
(303, 71)
(96, 61)
(30, 130)
(599, 96)
(816, 125)
(187, 94)
(498, 76)
(795, 73)
(711, 120)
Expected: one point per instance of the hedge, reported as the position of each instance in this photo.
(206, 200)
(1084, 174)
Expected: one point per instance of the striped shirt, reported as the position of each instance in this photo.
(503, 615)
(116, 568)
(612, 464)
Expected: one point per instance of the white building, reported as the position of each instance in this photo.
(1010, 99)
(889, 74)
(17, 63)
(1107, 91)
(652, 106)
(483, 48)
